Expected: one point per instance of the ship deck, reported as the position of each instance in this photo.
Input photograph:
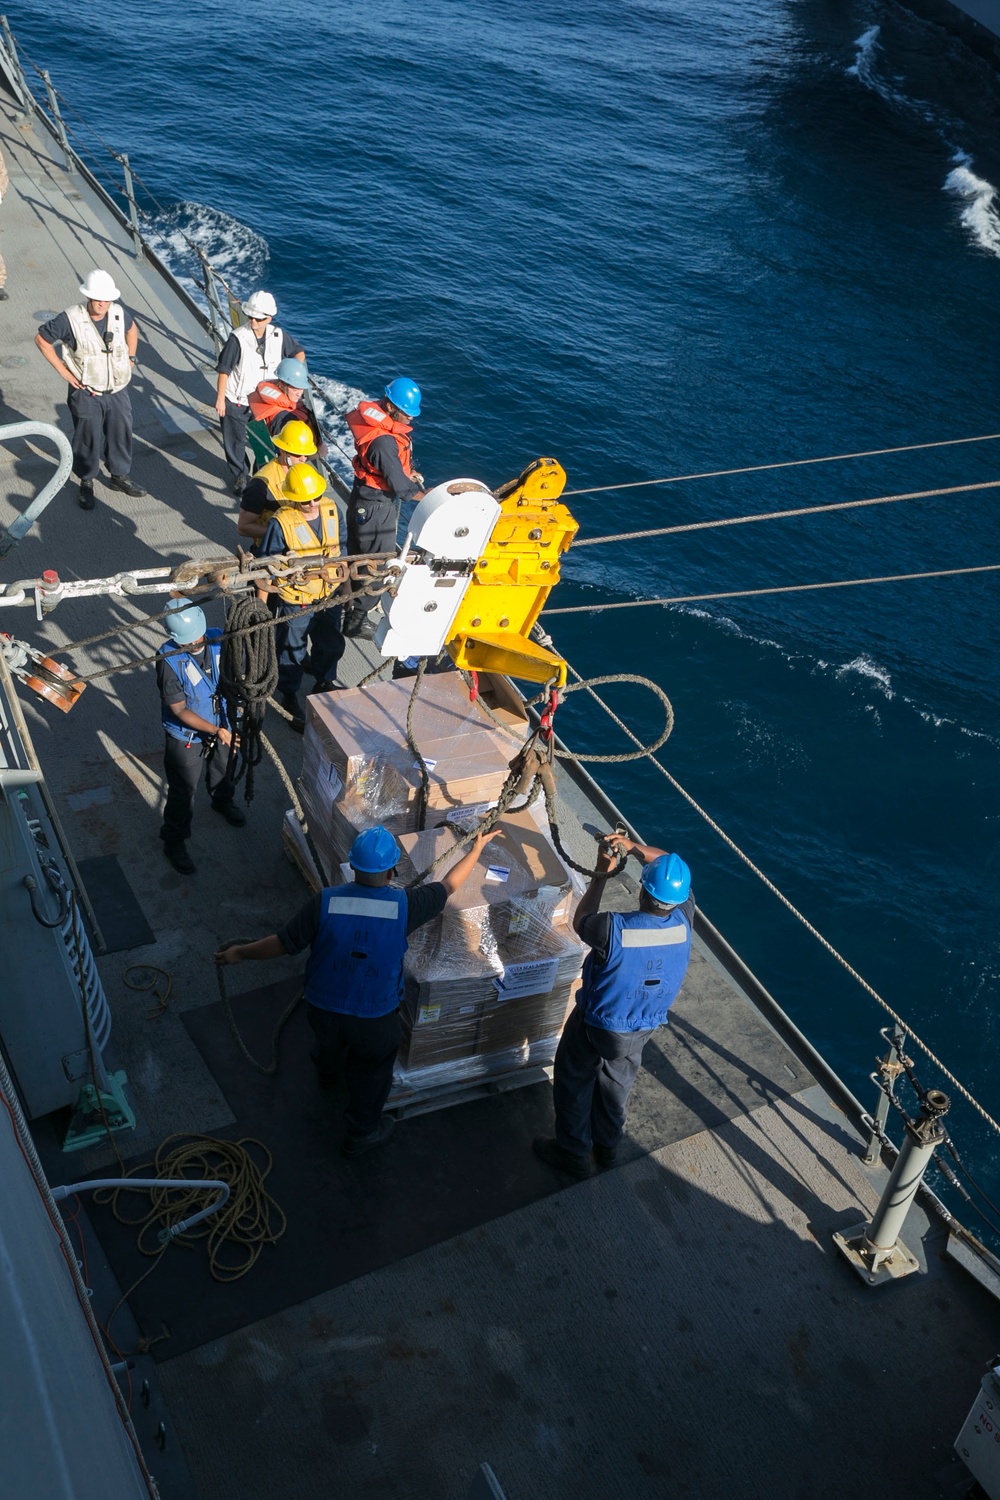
(678, 1325)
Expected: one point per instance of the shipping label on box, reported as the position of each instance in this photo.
(533, 978)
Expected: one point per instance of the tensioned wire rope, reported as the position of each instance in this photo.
(791, 463)
(790, 906)
(784, 588)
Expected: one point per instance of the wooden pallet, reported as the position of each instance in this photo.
(404, 1103)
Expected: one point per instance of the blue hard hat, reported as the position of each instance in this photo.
(293, 372)
(374, 851)
(186, 623)
(667, 879)
(405, 394)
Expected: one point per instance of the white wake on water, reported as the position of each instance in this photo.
(235, 250)
(335, 400)
(979, 215)
(863, 67)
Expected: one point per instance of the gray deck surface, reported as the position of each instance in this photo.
(679, 1325)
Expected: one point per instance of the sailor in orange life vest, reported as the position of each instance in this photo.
(632, 975)
(384, 476)
(280, 400)
(307, 640)
(251, 354)
(354, 977)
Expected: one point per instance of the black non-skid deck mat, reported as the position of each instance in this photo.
(440, 1175)
(119, 915)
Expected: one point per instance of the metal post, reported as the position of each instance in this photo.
(27, 97)
(216, 314)
(133, 211)
(875, 1250)
(889, 1069)
(57, 117)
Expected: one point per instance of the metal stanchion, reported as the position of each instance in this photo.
(58, 120)
(133, 211)
(875, 1250)
(217, 316)
(21, 83)
(889, 1070)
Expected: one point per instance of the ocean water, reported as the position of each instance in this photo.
(653, 237)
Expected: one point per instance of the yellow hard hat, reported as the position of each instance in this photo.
(303, 485)
(295, 437)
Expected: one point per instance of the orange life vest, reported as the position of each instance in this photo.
(267, 402)
(368, 422)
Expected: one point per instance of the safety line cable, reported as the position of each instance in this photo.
(791, 463)
(800, 916)
(783, 515)
(785, 588)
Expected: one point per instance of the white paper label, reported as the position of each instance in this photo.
(534, 978)
(467, 816)
(428, 1013)
(430, 764)
(333, 781)
(496, 873)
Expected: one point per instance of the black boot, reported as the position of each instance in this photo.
(87, 501)
(359, 625)
(126, 485)
(291, 705)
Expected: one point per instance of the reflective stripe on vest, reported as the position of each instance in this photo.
(356, 963)
(93, 364)
(300, 537)
(368, 422)
(199, 688)
(645, 967)
(250, 368)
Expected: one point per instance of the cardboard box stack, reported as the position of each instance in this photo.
(358, 770)
(489, 983)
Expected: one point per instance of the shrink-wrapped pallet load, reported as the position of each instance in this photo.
(488, 983)
(358, 770)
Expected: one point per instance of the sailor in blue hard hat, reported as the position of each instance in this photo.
(358, 935)
(384, 476)
(631, 977)
(187, 674)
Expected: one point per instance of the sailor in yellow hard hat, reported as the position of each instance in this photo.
(307, 640)
(262, 496)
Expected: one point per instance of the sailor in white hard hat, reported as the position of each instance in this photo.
(251, 354)
(99, 339)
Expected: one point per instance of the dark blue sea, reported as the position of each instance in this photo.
(651, 237)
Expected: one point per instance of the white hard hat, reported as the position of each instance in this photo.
(99, 286)
(260, 305)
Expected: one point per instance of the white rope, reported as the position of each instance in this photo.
(792, 463)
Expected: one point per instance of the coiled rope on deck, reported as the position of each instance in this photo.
(237, 1234)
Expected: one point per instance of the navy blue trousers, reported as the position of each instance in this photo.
(368, 1047)
(102, 430)
(312, 643)
(592, 1079)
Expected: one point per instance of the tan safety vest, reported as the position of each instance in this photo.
(92, 362)
(251, 369)
(300, 537)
